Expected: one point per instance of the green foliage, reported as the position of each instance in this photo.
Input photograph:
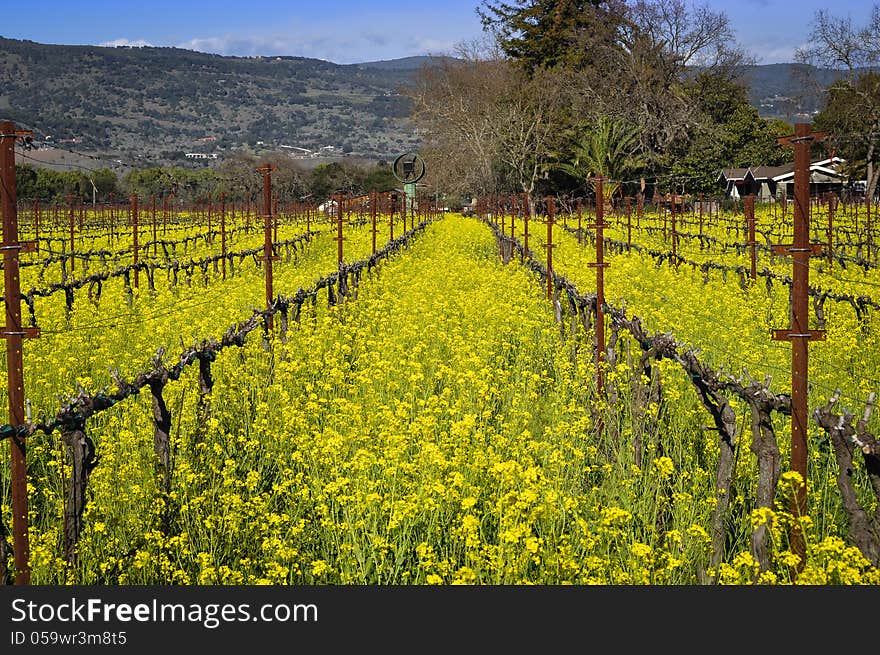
(53, 186)
(380, 179)
(187, 184)
(540, 33)
(349, 177)
(852, 118)
(606, 148)
(728, 132)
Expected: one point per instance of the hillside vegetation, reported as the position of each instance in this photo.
(158, 103)
(151, 105)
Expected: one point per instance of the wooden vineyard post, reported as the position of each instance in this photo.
(527, 211)
(268, 251)
(799, 333)
(14, 333)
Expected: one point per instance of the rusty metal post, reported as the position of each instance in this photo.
(392, 201)
(373, 218)
(134, 237)
(72, 225)
(276, 214)
(403, 210)
(339, 239)
(600, 265)
(527, 211)
(112, 218)
(268, 253)
(153, 213)
(580, 226)
(749, 211)
(673, 215)
(36, 221)
(665, 221)
(223, 233)
(512, 217)
(14, 333)
(701, 220)
(869, 240)
(832, 205)
(799, 333)
(550, 212)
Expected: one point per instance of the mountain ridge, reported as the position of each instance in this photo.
(162, 105)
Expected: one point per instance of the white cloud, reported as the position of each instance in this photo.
(343, 49)
(137, 43)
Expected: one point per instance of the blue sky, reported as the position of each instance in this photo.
(349, 31)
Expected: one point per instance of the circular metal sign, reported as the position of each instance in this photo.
(409, 168)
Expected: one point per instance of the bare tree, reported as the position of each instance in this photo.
(454, 106)
(691, 35)
(838, 44)
(527, 130)
(637, 76)
(852, 110)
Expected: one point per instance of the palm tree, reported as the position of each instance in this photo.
(607, 148)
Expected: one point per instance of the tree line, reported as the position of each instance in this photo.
(236, 177)
(647, 93)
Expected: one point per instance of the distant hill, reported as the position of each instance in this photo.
(791, 92)
(152, 105)
(402, 64)
(157, 104)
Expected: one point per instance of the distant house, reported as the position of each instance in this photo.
(768, 183)
(200, 155)
(328, 207)
(735, 182)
